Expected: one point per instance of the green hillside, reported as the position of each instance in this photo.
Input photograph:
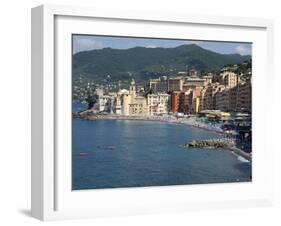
(144, 63)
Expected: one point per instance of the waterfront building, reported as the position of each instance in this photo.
(185, 101)
(119, 101)
(203, 98)
(164, 85)
(104, 103)
(182, 94)
(133, 104)
(112, 103)
(196, 105)
(175, 101)
(188, 102)
(237, 98)
(152, 82)
(158, 103)
(229, 79)
(182, 106)
(197, 100)
(125, 104)
(164, 103)
(244, 96)
(118, 104)
(138, 106)
(175, 84)
(208, 100)
(159, 85)
(233, 98)
(152, 103)
(223, 99)
(192, 83)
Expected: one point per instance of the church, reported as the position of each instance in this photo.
(132, 104)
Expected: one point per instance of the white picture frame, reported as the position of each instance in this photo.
(52, 197)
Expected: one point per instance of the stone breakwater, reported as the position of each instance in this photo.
(219, 144)
(212, 143)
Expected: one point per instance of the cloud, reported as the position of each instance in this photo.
(193, 42)
(83, 43)
(151, 46)
(243, 50)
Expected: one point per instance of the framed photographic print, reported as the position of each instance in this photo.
(142, 112)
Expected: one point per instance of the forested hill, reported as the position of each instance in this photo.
(143, 63)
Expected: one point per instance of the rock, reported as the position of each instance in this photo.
(209, 144)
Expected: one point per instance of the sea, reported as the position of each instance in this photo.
(130, 153)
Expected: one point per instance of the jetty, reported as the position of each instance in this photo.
(219, 144)
(211, 143)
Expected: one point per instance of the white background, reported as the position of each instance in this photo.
(15, 112)
(113, 201)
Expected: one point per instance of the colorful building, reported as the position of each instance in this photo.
(158, 103)
(244, 96)
(175, 101)
(229, 79)
(133, 104)
(175, 84)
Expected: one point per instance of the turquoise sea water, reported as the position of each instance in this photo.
(112, 154)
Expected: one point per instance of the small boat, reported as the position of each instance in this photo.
(82, 153)
(111, 147)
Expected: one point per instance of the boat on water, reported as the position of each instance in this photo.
(111, 147)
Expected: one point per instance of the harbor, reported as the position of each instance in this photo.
(129, 153)
(150, 119)
(228, 142)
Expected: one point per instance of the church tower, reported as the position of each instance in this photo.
(133, 89)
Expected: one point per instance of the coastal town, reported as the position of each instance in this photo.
(190, 98)
(176, 114)
(186, 93)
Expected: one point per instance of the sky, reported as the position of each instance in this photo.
(90, 42)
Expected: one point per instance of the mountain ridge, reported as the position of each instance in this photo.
(143, 63)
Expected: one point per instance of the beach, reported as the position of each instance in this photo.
(191, 121)
(130, 153)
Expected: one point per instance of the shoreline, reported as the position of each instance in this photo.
(241, 153)
(219, 144)
(185, 122)
(182, 121)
